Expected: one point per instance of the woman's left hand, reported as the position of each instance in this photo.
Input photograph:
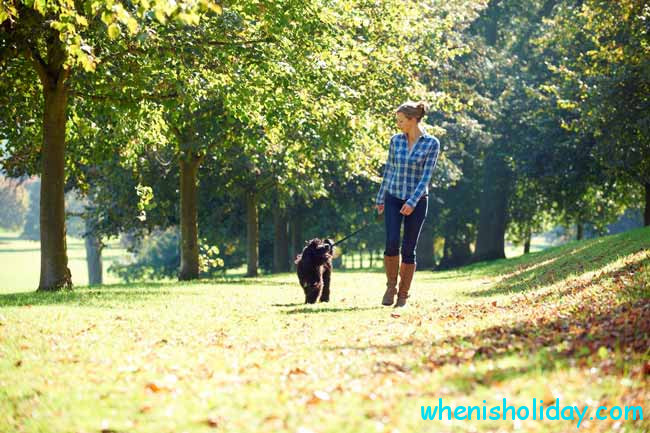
(406, 210)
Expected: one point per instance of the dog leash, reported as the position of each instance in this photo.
(365, 226)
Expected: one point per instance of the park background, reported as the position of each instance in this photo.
(164, 162)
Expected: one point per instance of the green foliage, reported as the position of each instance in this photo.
(15, 200)
(32, 228)
(602, 80)
(157, 256)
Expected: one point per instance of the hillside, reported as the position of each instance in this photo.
(569, 323)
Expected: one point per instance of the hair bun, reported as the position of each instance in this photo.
(412, 109)
(422, 106)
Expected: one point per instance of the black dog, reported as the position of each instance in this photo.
(314, 266)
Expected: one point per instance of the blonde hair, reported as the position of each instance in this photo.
(412, 109)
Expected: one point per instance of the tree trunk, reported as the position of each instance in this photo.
(579, 231)
(54, 258)
(527, 240)
(456, 252)
(424, 250)
(646, 213)
(252, 235)
(94, 248)
(491, 25)
(280, 241)
(189, 166)
(490, 242)
(371, 255)
(297, 244)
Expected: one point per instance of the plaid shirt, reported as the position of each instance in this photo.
(407, 174)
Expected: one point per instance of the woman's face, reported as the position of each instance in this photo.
(404, 123)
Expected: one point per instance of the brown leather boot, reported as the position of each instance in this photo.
(406, 272)
(391, 264)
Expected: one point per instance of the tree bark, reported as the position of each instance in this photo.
(252, 235)
(527, 240)
(94, 248)
(280, 241)
(297, 242)
(646, 213)
(579, 230)
(189, 167)
(490, 242)
(456, 251)
(55, 273)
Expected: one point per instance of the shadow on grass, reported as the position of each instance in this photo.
(316, 310)
(548, 344)
(433, 275)
(251, 281)
(86, 296)
(393, 347)
(624, 329)
(551, 266)
(18, 250)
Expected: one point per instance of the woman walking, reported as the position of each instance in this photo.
(403, 196)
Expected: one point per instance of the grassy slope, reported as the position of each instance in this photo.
(246, 356)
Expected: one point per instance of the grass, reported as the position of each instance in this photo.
(19, 261)
(245, 355)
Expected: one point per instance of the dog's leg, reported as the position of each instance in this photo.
(325, 296)
(311, 295)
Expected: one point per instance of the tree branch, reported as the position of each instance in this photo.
(238, 43)
(7, 53)
(38, 62)
(136, 98)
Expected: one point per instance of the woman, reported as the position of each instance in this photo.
(402, 196)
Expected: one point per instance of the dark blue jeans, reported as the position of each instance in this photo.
(412, 226)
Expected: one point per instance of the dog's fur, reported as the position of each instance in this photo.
(314, 267)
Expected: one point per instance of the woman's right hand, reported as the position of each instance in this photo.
(380, 209)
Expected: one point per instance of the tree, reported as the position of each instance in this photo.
(53, 40)
(602, 67)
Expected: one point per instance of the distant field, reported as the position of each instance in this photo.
(20, 262)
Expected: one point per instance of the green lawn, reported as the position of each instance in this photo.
(245, 355)
(20, 262)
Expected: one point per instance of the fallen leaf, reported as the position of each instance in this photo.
(154, 387)
(213, 421)
(319, 396)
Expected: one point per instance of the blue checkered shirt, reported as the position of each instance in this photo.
(407, 174)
